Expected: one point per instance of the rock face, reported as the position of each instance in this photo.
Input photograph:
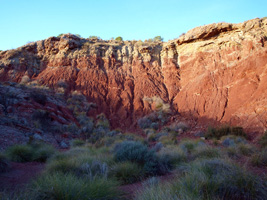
(215, 72)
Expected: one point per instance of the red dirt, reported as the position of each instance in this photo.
(19, 175)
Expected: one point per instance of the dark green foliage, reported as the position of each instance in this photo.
(69, 187)
(219, 179)
(140, 154)
(94, 37)
(209, 179)
(260, 158)
(77, 142)
(119, 38)
(31, 152)
(127, 172)
(20, 153)
(4, 163)
(263, 140)
(224, 130)
(42, 152)
(158, 39)
(39, 97)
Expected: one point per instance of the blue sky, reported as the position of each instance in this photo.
(22, 21)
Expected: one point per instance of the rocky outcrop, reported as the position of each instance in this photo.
(215, 72)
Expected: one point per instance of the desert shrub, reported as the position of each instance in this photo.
(224, 130)
(94, 37)
(157, 147)
(127, 172)
(119, 38)
(156, 190)
(205, 151)
(39, 97)
(260, 158)
(107, 141)
(151, 137)
(158, 39)
(232, 140)
(20, 153)
(232, 152)
(131, 137)
(63, 165)
(77, 142)
(25, 79)
(39, 152)
(167, 140)
(217, 178)
(178, 127)
(4, 163)
(160, 134)
(144, 122)
(174, 155)
(246, 149)
(188, 146)
(209, 179)
(82, 161)
(42, 152)
(131, 151)
(263, 140)
(139, 153)
(68, 186)
(93, 170)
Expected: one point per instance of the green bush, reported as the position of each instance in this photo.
(20, 153)
(139, 153)
(205, 151)
(39, 152)
(263, 140)
(77, 143)
(127, 172)
(158, 39)
(82, 162)
(246, 149)
(4, 163)
(94, 37)
(119, 38)
(188, 145)
(209, 179)
(260, 159)
(175, 155)
(224, 130)
(69, 187)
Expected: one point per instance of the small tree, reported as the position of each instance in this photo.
(119, 38)
(158, 39)
(60, 34)
(93, 37)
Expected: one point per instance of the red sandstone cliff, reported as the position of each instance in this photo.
(215, 72)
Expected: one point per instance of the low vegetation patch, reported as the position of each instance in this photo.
(209, 179)
(224, 130)
(31, 152)
(68, 186)
(139, 153)
(260, 159)
(127, 172)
